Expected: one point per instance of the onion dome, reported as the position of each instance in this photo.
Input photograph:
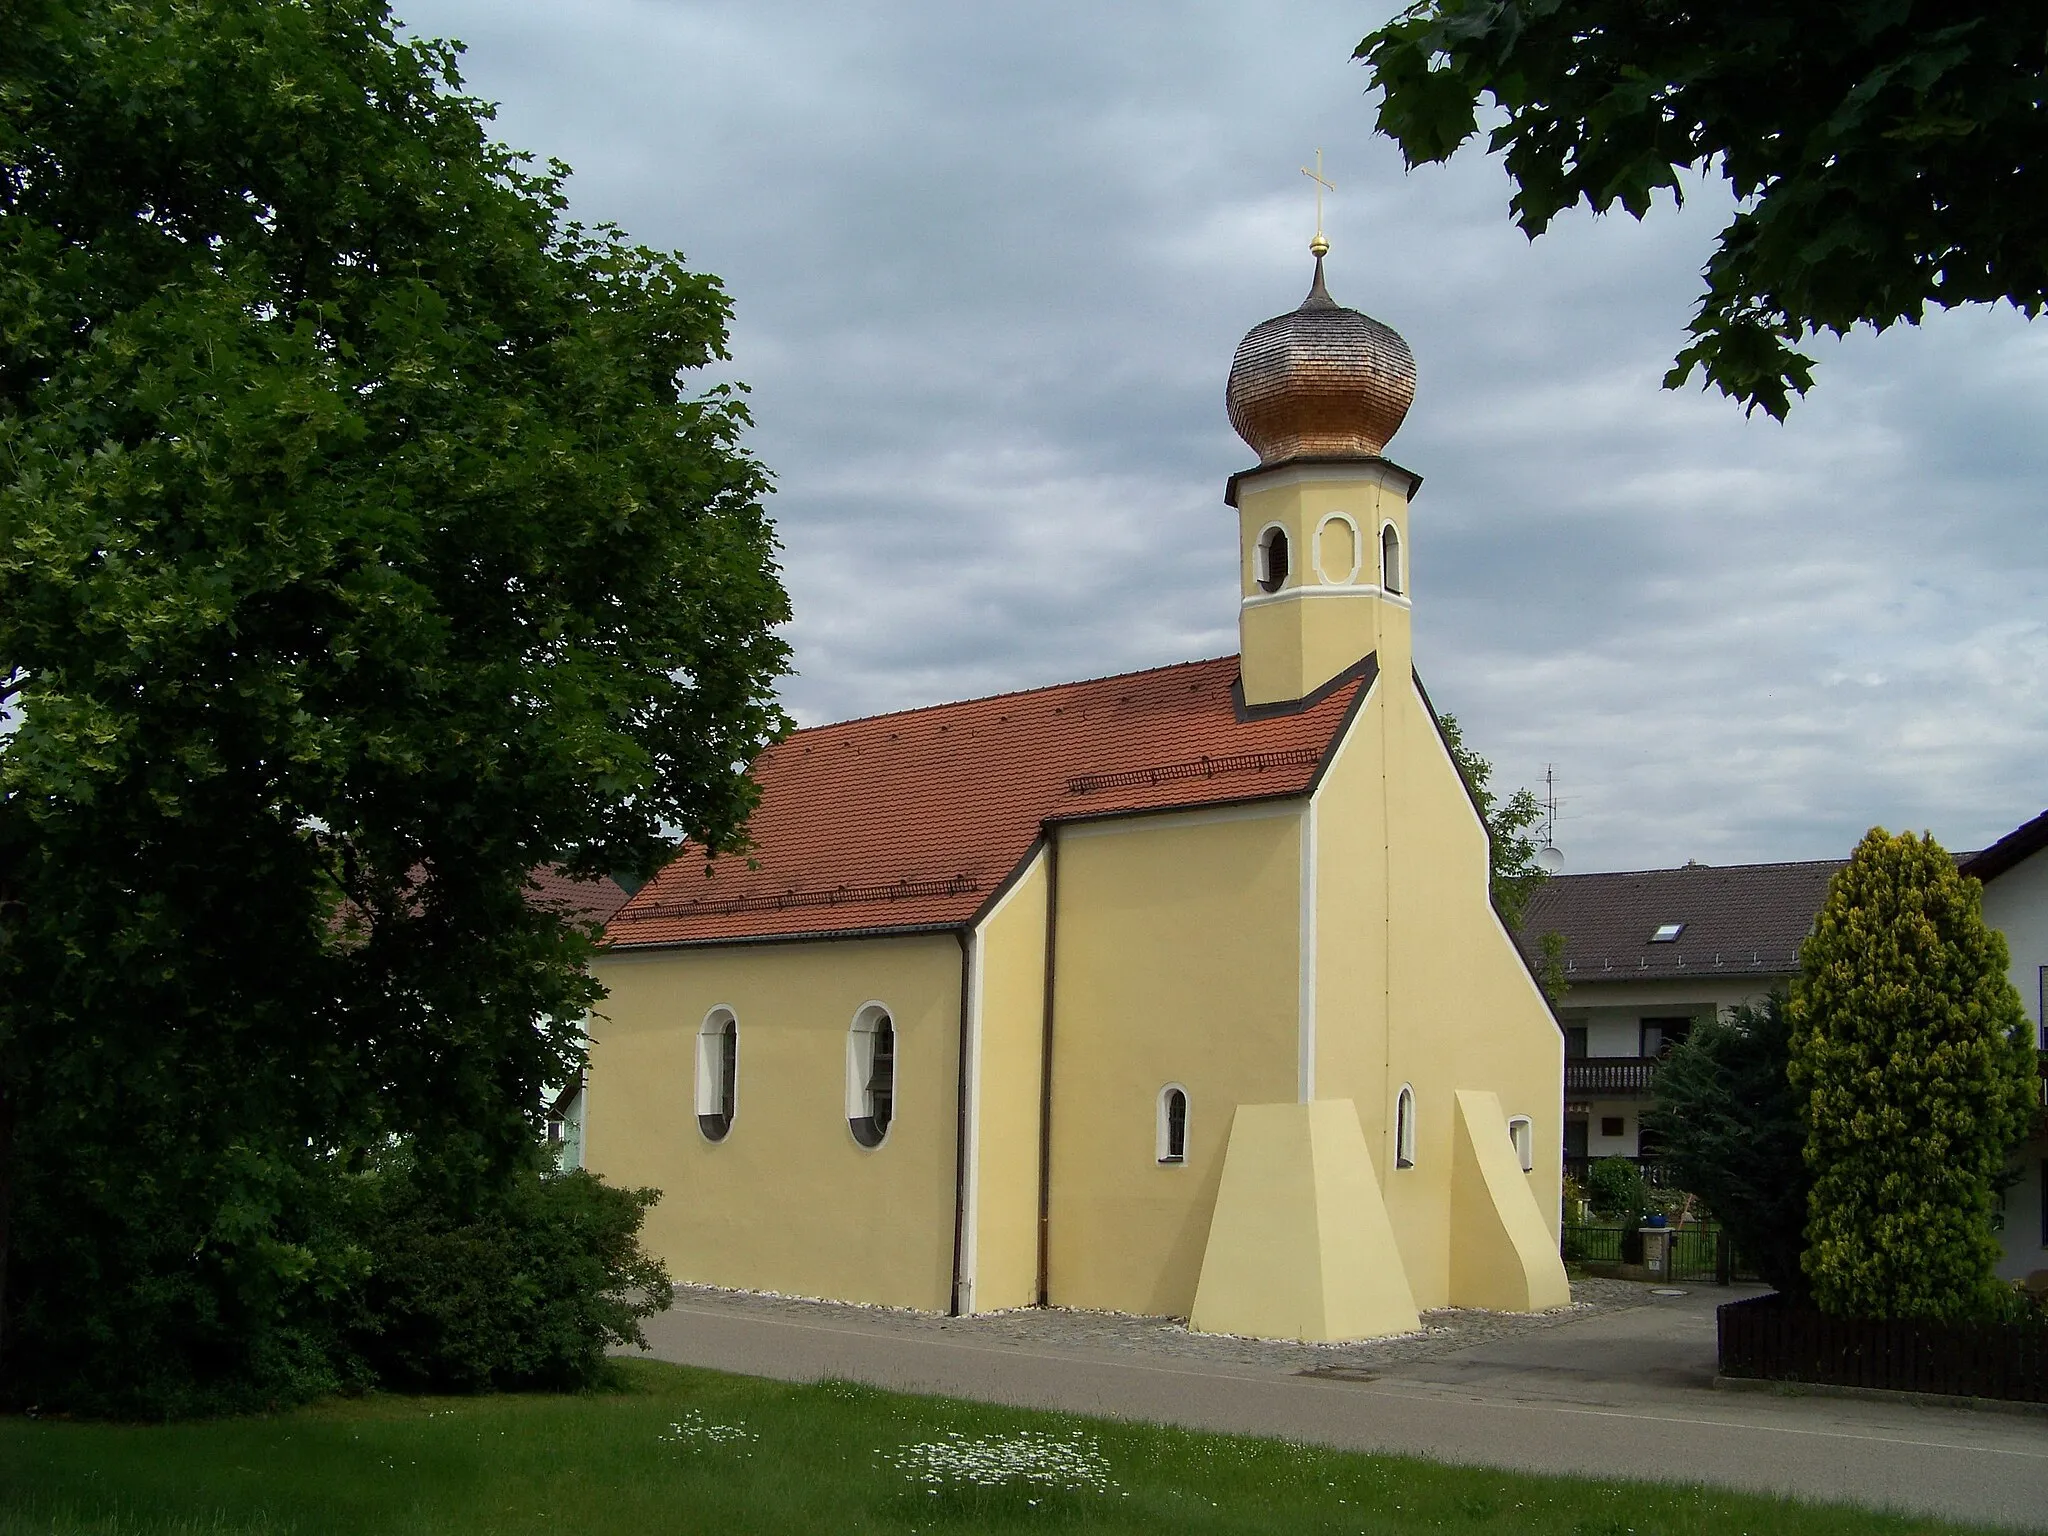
(1323, 381)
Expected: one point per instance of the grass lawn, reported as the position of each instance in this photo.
(670, 1449)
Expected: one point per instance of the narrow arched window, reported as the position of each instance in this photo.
(1390, 559)
(871, 1075)
(718, 1073)
(1404, 1128)
(1271, 559)
(1173, 1124)
(1522, 1132)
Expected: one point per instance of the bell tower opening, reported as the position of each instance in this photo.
(1390, 559)
(1272, 560)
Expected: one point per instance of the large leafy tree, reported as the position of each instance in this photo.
(1732, 1129)
(363, 546)
(1887, 155)
(1915, 1061)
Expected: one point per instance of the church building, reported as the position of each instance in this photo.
(1176, 993)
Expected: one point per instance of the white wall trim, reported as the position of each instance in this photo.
(1295, 594)
(1350, 577)
(1381, 475)
(1305, 1024)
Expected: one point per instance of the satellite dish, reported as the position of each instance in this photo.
(1550, 859)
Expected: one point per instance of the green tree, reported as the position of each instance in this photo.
(1912, 1054)
(1511, 851)
(1732, 1130)
(362, 548)
(1886, 155)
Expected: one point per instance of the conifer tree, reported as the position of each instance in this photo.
(1911, 1050)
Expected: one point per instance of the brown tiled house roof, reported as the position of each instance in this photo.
(599, 899)
(2020, 844)
(1738, 918)
(914, 821)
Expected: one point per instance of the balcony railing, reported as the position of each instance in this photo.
(1655, 1174)
(1618, 1074)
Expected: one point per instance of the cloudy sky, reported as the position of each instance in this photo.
(990, 262)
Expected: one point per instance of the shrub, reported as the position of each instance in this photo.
(528, 1294)
(1615, 1186)
(1732, 1131)
(1911, 1050)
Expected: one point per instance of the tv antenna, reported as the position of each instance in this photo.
(1549, 857)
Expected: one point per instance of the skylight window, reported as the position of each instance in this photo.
(1667, 933)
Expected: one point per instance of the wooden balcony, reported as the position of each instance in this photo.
(1610, 1075)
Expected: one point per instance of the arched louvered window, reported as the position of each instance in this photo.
(1173, 1124)
(1404, 1128)
(718, 1073)
(871, 1075)
(1270, 559)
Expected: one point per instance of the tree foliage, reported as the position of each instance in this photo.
(1913, 1056)
(1511, 851)
(1886, 155)
(361, 550)
(1732, 1130)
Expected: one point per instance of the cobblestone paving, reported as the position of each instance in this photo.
(1164, 1340)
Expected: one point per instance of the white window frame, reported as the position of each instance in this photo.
(1357, 550)
(1393, 578)
(1404, 1127)
(711, 1073)
(860, 1067)
(1522, 1132)
(1162, 1142)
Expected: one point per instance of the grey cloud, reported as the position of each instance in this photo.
(990, 265)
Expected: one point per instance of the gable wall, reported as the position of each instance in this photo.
(788, 1201)
(1177, 961)
(2016, 903)
(1418, 983)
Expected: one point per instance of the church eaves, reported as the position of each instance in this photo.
(913, 821)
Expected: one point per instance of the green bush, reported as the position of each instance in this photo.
(1615, 1187)
(527, 1295)
(1912, 1052)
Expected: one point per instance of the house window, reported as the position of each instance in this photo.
(1522, 1132)
(1575, 1042)
(1404, 1128)
(871, 1075)
(1611, 1125)
(1660, 1035)
(1667, 933)
(1172, 1133)
(718, 1073)
(1575, 1140)
(1270, 560)
(1390, 559)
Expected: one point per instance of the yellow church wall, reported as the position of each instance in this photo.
(1397, 837)
(1008, 997)
(1332, 609)
(1176, 962)
(788, 1201)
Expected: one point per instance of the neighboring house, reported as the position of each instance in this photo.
(1647, 953)
(2015, 874)
(1174, 993)
(597, 901)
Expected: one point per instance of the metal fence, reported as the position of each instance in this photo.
(1700, 1252)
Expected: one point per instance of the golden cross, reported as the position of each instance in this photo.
(1319, 245)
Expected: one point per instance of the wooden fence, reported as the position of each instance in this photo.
(1768, 1338)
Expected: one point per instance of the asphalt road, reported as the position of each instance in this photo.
(1627, 1395)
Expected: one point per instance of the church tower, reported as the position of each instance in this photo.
(1323, 519)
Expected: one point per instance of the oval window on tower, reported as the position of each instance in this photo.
(871, 1075)
(1272, 559)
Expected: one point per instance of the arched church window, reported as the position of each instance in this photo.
(871, 1075)
(1522, 1132)
(1404, 1128)
(1272, 559)
(1390, 559)
(718, 1073)
(1173, 1124)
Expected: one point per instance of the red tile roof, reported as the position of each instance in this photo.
(598, 899)
(913, 821)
